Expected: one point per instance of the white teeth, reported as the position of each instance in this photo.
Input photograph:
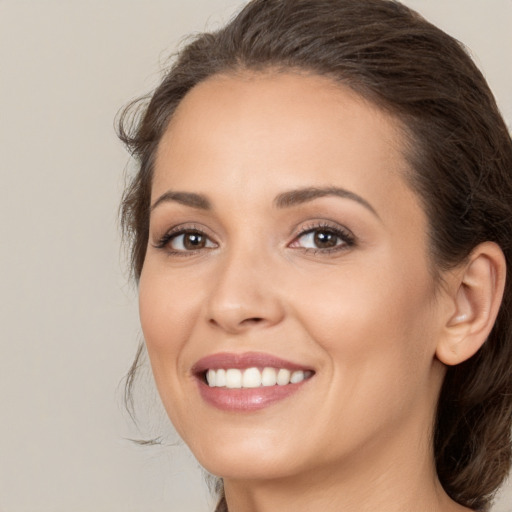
(210, 377)
(220, 378)
(269, 377)
(283, 377)
(297, 376)
(234, 378)
(251, 378)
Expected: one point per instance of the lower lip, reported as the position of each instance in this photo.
(247, 399)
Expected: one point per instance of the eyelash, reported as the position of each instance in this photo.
(346, 238)
(174, 233)
(342, 234)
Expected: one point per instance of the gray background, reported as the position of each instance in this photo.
(68, 318)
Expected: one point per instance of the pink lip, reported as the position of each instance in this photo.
(244, 400)
(241, 361)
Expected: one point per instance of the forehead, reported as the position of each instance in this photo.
(256, 132)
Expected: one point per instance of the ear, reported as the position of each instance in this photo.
(476, 291)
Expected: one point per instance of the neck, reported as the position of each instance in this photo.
(390, 480)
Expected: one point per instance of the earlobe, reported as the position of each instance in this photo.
(477, 294)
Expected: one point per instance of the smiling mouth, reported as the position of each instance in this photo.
(248, 382)
(250, 378)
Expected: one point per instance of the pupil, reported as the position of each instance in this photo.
(194, 240)
(325, 239)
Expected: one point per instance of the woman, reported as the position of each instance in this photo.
(320, 230)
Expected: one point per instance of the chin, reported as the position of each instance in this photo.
(245, 457)
(236, 467)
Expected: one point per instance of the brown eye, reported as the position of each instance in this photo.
(325, 239)
(193, 241)
(320, 239)
(190, 241)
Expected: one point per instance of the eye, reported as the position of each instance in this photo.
(185, 240)
(324, 238)
(190, 241)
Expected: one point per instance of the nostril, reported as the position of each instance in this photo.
(242, 323)
(255, 320)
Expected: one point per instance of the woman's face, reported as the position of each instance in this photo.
(286, 244)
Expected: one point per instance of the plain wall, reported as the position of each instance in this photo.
(68, 317)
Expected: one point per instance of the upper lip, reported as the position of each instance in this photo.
(245, 360)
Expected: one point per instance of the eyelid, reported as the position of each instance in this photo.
(343, 233)
(163, 241)
(208, 244)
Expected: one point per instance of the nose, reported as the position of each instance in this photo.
(244, 294)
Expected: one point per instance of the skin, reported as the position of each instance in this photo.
(367, 316)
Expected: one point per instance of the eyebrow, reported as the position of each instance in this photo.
(186, 198)
(284, 200)
(304, 195)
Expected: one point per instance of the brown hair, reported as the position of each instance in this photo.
(459, 150)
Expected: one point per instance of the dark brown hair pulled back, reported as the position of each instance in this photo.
(459, 150)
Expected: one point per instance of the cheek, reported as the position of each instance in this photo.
(168, 309)
(376, 324)
(168, 312)
(377, 336)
